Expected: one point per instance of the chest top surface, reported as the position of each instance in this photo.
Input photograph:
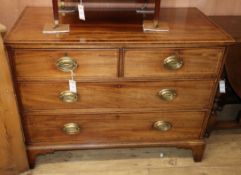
(187, 26)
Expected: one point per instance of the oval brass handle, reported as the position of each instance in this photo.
(66, 64)
(68, 96)
(167, 94)
(162, 126)
(71, 128)
(173, 62)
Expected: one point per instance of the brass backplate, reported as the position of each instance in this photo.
(149, 26)
(54, 29)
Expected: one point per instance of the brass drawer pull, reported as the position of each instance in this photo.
(68, 96)
(162, 126)
(66, 64)
(173, 62)
(167, 94)
(71, 128)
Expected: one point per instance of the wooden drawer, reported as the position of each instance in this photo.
(113, 128)
(195, 62)
(39, 64)
(189, 94)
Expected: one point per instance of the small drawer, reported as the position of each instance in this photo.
(174, 63)
(57, 64)
(113, 128)
(162, 95)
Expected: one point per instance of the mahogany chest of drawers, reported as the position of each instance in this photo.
(134, 89)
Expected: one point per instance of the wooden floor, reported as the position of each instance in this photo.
(222, 157)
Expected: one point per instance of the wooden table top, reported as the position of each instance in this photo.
(231, 24)
(187, 26)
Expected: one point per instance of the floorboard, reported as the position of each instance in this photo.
(222, 157)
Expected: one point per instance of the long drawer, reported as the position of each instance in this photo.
(175, 63)
(113, 128)
(162, 95)
(56, 64)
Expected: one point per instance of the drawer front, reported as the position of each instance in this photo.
(188, 94)
(36, 64)
(172, 62)
(113, 128)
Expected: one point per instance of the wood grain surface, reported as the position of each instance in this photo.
(182, 22)
(150, 62)
(141, 95)
(232, 24)
(190, 30)
(147, 161)
(116, 129)
(92, 63)
(209, 7)
(12, 148)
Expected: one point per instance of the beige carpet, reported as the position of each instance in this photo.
(222, 157)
